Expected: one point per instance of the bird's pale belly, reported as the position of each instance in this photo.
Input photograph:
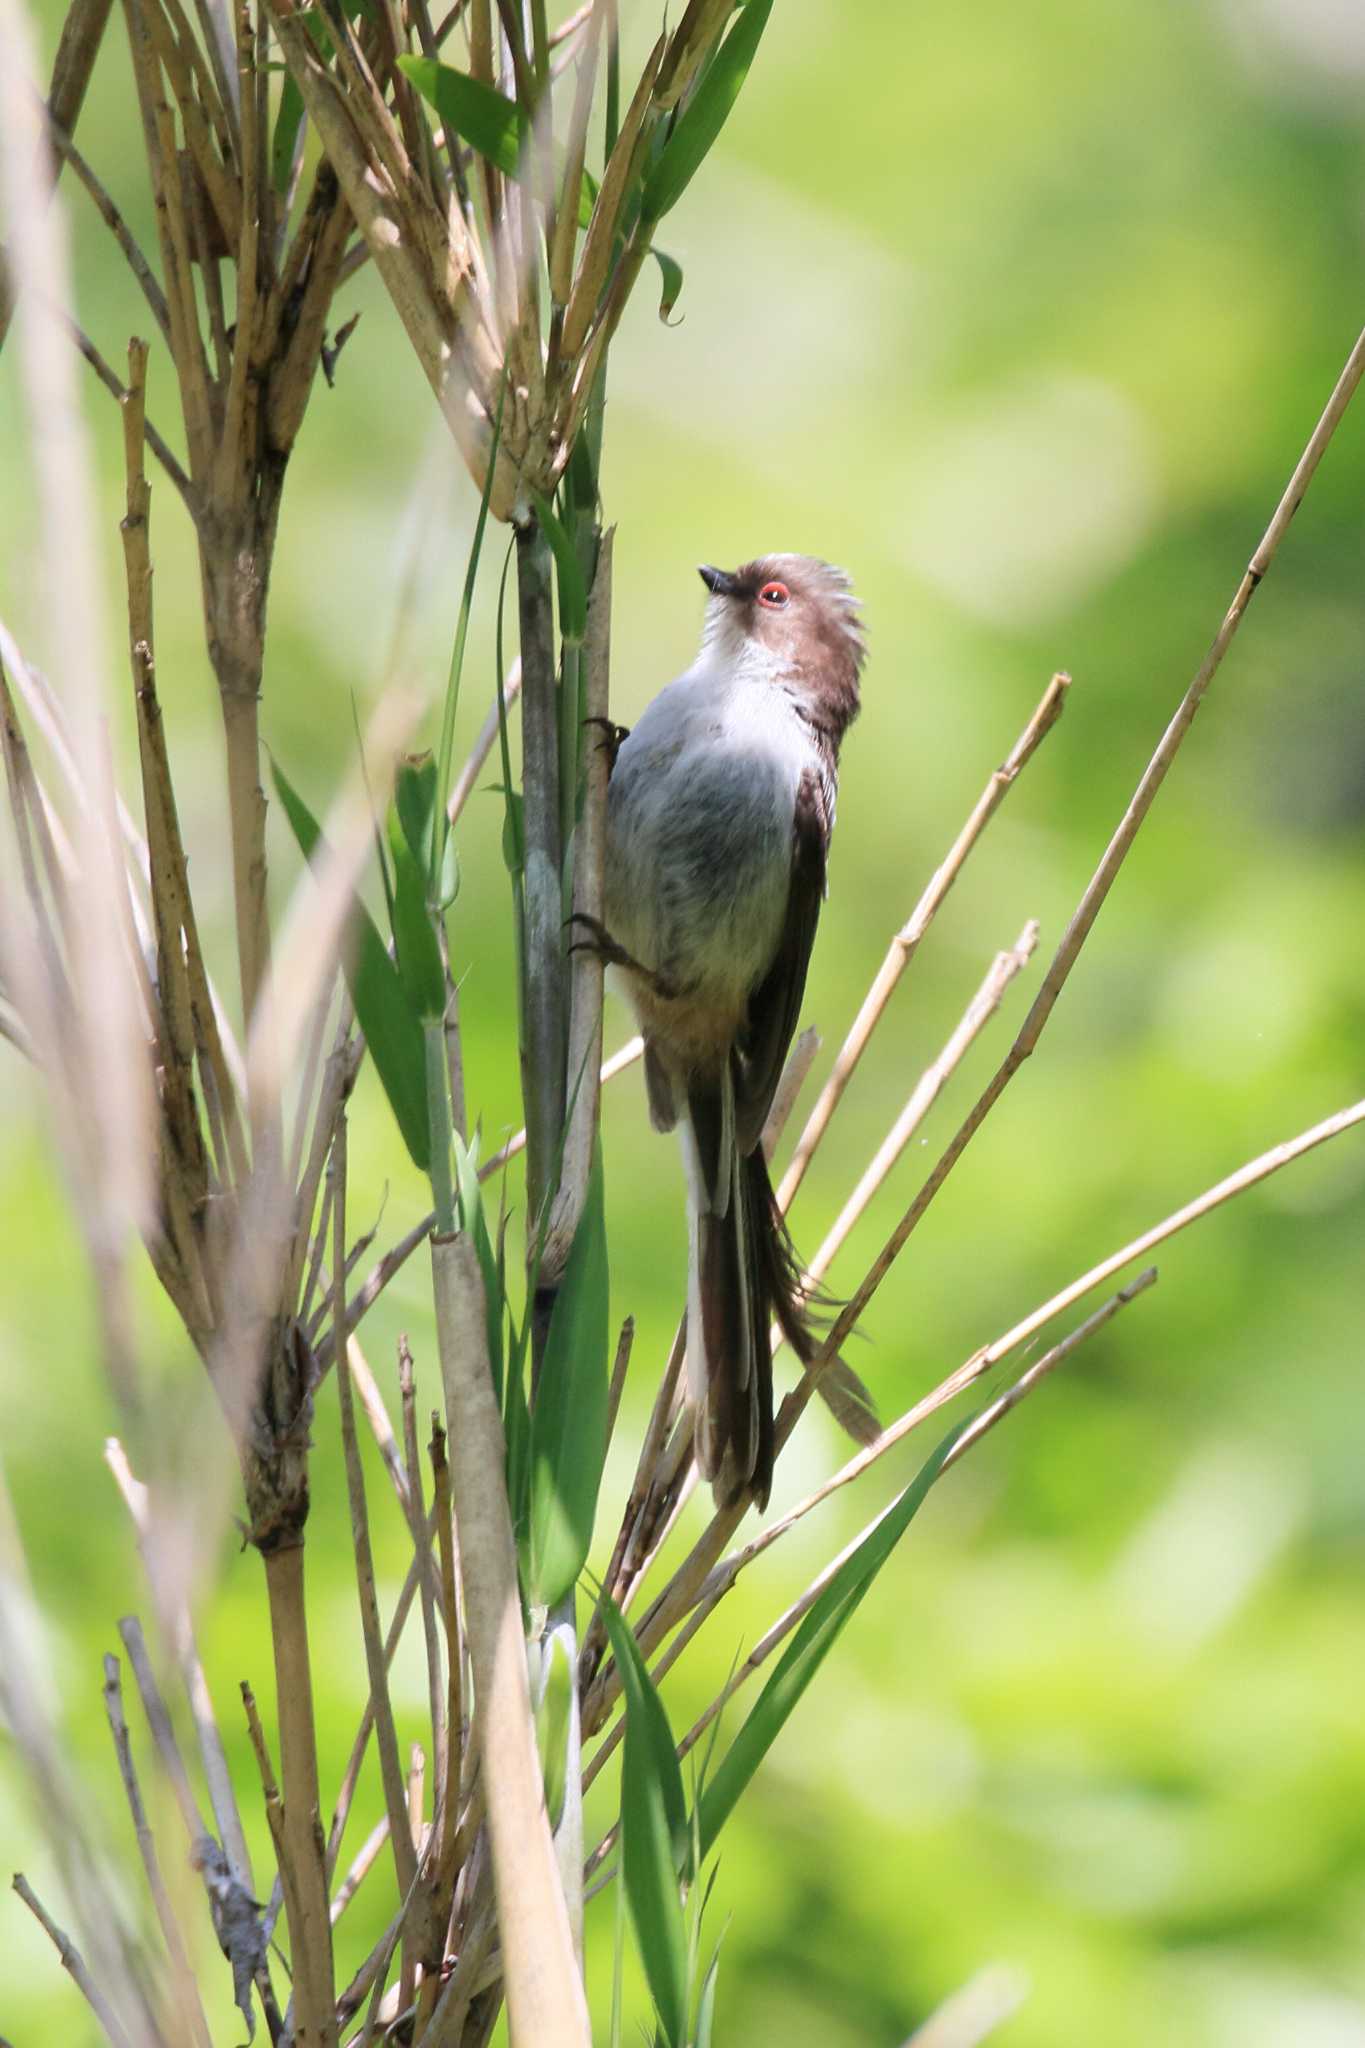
(698, 871)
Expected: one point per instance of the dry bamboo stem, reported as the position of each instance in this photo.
(545, 1999)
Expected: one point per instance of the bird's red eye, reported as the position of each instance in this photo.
(774, 595)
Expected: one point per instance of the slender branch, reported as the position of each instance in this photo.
(390, 1767)
(430, 1591)
(114, 221)
(73, 1963)
(723, 1578)
(82, 33)
(362, 1863)
(117, 389)
(398, 1255)
(189, 2008)
(687, 1585)
(926, 1092)
(984, 2002)
(904, 946)
(483, 744)
(180, 1631)
(1088, 909)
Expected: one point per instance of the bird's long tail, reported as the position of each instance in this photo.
(742, 1277)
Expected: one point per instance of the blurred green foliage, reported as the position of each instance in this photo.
(1023, 314)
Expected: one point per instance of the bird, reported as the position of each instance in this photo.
(720, 809)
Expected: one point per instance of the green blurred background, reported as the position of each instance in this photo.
(1023, 314)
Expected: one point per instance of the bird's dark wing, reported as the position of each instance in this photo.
(775, 1004)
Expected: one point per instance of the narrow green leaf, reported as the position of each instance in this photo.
(513, 831)
(414, 799)
(706, 2004)
(705, 114)
(653, 1832)
(441, 871)
(671, 283)
(569, 1421)
(552, 1726)
(809, 1647)
(488, 120)
(414, 935)
(573, 591)
(516, 1427)
(392, 1030)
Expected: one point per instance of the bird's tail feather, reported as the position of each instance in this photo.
(743, 1277)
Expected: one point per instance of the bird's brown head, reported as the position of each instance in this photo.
(797, 621)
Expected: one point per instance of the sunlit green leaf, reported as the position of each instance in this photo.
(653, 1832)
(671, 283)
(489, 122)
(809, 1647)
(392, 1030)
(573, 591)
(552, 1726)
(414, 935)
(706, 2005)
(569, 1421)
(705, 113)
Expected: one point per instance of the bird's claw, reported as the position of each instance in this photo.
(613, 738)
(600, 941)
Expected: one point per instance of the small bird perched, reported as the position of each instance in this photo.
(719, 815)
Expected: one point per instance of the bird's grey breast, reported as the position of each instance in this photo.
(699, 837)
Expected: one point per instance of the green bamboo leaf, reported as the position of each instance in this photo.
(706, 2005)
(552, 1726)
(516, 1427)
(488, 120)
(670, 283)
(705, 114)
(414, 935)
(414, 799)
(573, 591)
(392, 1030)
(810, 1646)
(569, 1420)
(654, 1839)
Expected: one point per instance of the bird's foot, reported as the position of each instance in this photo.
(613, 738)
(600, 941)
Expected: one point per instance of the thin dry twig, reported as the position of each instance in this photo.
(190, 2015)
(721, 1580)
(1092, 901)
(906, 943)
(926, 1092)
(393, 1261)
(73, 1963)
(689, 1582)
(390, 1766)
(985, 2002)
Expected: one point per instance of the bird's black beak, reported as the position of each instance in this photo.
(718, 581)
